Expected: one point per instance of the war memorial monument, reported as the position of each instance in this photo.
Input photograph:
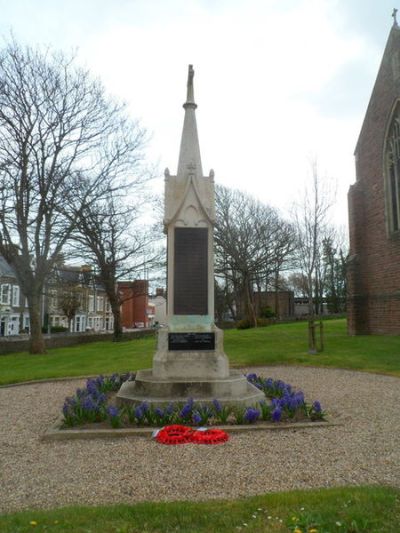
(190, 361)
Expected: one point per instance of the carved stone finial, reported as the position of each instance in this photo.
(212, 174)
(190, 89)
(190, 75)
(166, 172)
(394, 15)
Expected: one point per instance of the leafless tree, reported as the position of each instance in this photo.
(311, 221)
(111, 234)
(61, 139)
(250, 246)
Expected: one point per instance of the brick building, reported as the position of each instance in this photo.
(281, 303)
(374, 206)
(135, 308)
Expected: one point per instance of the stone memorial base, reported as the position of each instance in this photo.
(179, 374)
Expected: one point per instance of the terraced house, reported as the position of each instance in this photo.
(77, 301)
(73, 300)
(14, 315)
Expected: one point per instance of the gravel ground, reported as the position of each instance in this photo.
(365, 449)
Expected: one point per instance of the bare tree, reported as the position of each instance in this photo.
(60, 138)
(310, 219)
(249, 238)
(111, 234)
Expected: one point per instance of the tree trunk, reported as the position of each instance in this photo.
(249, 305)
(277, 310)
(117, 323)
(37, 344)
(312, 345)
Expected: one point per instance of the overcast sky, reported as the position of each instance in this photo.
(277, 82)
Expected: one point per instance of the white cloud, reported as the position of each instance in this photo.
(269, 75)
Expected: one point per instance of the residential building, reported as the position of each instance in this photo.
(77, 300)
(136, 311)
(14, 315)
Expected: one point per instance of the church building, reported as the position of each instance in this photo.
(374, 206)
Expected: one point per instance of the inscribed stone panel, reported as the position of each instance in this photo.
(191, 271)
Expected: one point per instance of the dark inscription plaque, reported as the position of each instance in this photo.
(191, 271)
(191, 341)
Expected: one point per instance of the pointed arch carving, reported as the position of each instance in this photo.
(392, 170)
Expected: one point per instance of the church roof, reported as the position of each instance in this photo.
(387, 85)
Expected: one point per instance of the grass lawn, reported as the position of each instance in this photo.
(352, 510)
(273, 345)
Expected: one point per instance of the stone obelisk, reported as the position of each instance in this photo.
(190, 360)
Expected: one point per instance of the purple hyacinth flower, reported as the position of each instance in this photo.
(112, 411)
(217, 406)
(276, 414)
(139, 412)
(317, 407)
(186, 410)
(159, 412)
(88, 404)
(196, 418)
(169, 409)
(251, 415)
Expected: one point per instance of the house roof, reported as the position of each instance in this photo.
(6, 269)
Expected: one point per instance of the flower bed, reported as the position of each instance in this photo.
(96, 404)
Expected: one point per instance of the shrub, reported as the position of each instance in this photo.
(262, 322)
(55, 329)
(244, 324)
(266, 312)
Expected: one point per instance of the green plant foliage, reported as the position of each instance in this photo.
(339, 510)
(279, 344)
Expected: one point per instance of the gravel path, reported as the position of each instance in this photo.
(365, 449)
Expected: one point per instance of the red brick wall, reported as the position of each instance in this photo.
(268, 299)
(374, 269)
(135, 302)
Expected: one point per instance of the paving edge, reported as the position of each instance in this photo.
(55, 433)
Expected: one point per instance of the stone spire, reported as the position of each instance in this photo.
(189, 154)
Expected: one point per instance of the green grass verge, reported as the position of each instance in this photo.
(361, 509)
(273, 345)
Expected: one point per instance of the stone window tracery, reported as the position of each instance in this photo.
(393, 174)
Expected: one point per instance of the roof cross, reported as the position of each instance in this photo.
(394, 15)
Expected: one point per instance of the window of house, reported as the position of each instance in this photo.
(91, 303)
(15, 295)
(6, 294)
(53, 299)
(393, 173)
(100, 303)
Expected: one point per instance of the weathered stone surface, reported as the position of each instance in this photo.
(232, 390)
(205, 364)
(202, 373)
